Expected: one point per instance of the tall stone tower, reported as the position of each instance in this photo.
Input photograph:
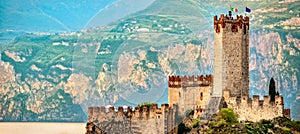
(231, 55)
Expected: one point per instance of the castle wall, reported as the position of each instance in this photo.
(191, 98)
(218, 62)
(287, 113)
(146, 120)
(231, 56)
(255, 109)
(174, 94)
(189, 92)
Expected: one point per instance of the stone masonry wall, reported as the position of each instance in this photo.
(218, 62)
(190, 92)
(146, 120)
(255, 109)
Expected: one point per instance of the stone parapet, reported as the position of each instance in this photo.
(190, 81)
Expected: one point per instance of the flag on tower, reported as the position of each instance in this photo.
(234, 9)
(248, 10)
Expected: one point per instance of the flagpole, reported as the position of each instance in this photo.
(245, 13)
(244, 8)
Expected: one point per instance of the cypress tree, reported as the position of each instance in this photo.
(272, 91)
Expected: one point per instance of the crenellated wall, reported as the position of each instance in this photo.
(138, 120)
(255, 109)
(190, 81)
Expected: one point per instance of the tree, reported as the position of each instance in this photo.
(272, 91)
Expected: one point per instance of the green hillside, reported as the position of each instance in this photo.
(225, 121)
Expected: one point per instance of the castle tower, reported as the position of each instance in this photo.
(231, 55)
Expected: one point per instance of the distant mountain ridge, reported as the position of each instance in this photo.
(48, 16)
(61, 16)
(116, 11)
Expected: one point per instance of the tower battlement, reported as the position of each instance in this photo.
(235, 24)
(190, 81)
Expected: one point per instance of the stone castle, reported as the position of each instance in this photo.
(228, 87)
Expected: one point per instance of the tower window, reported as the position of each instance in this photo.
(245, 29)
(201, 96)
